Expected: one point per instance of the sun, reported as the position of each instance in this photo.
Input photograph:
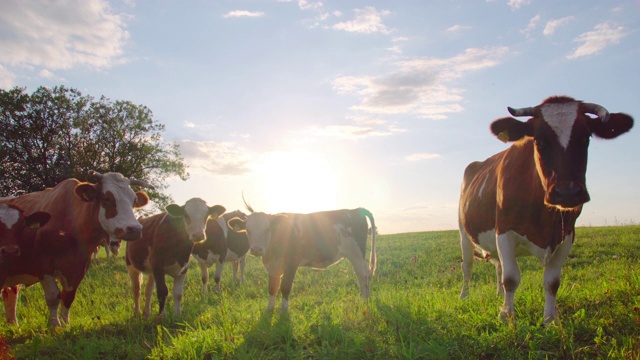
(299, 182)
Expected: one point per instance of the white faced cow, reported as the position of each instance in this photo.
(525, 200)
(165, 248)
(318, 240)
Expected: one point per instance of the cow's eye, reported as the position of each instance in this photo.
(108, 202)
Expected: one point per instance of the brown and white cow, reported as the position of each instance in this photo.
(317, 240)
(13, 223)
(222, 246)
(82, 214)
(525, 200)
(111, 247)
(165, 249)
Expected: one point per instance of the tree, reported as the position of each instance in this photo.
(55, 134)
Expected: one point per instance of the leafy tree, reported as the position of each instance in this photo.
(55, 134)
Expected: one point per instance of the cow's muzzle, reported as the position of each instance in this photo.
(10, 250)
(131, 233)
(567, 195)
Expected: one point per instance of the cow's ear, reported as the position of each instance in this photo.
(37, 219)
(175, 210)
(141, 200)
(617, 125)
(216, 210)
(87, 192)
(510, 129)
(237, 224)
(277, 219)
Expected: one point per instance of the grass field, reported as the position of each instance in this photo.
(414, 312)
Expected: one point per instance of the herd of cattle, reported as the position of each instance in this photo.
(524, 200)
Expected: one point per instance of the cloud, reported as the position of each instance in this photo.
(352, 132)
(533, 24)
(456, 29)
(553, 25)
(220, 159)
(6, 78)
(367, 21)
(517, 4)
(421, 156)
(61, 34)
(243, 13)
(596, 40)
(421, 86)
(189, 124)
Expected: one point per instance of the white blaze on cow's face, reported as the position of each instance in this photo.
(9, 217)
(117, 201)
(561, 118)
(195, 219)
(258, 226)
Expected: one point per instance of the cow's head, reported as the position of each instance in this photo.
(561, 128)
(258, 227)
(117, 201)
(195, 213)
(13, 223)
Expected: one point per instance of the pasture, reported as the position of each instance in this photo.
(414, 311)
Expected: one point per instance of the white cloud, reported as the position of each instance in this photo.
(243, 13)
(553, 25)
(455, 29)
(220, 159)
(421, 86)
(310, 5)
(189, 124)
(533, 24)
(596, 40)
(421, 156)
(367, 21)
(6, 78)
(61, 34)
(517, 4)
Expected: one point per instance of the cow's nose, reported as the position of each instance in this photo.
(11, 250)
(257, 251)
(197, 237)
(130, 233)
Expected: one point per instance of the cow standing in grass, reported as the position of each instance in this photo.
(318, 240)
(222, 246)
(526, 200)
(165, 249)
(82, 214)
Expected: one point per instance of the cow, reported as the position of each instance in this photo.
(526, 199)
(12, 223)
(111, 247)
(222, 246)
(165, 249)
(287, 241)
(82, 213)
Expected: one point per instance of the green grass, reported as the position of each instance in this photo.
(414, 312)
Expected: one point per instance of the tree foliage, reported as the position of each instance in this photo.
(55, 134)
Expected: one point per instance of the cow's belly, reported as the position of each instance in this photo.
(26, 280)
(321, 264)
(231, 256)
(210, 260)
(487, 244)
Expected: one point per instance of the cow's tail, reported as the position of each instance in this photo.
(373, 260)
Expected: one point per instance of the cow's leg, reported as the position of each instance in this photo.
(361, 269)
(467, 262)
(136, 282)
(498, 266)
(10, 298)
(52, 298)
(178, 291)
(510, 273)
(204, 275)
(286, 285)
(274, 283)
(218, 274)
(242, 262)
(162, 291)
(67, 298)
(552, 272)
(148, 294)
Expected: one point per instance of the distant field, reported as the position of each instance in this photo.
(414, 312)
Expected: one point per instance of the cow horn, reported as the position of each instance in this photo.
(140, 183)
(246, 204)
(528, 111)
(598, 110)
(95, 174)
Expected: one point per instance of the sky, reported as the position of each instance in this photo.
(305, 106)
